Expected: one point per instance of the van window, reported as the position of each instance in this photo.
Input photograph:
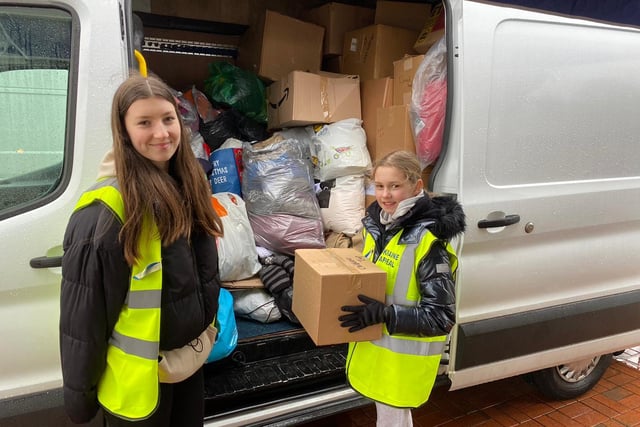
(35, 50)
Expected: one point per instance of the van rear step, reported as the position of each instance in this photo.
(234, 385)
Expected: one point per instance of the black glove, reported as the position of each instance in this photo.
(371, 313)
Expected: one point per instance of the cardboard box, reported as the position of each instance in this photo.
(250, 283)
(326, 280)
(306, 98)
(337, 19)
(402, 14)
(403, 72)
(374, 94)
(370, 51)
(393, 131)
(279, 44)
(432, 30)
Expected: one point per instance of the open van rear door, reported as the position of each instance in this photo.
(542, 152)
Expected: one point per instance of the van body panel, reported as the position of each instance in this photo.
(29, 297)
(549, 133)
(501, 338)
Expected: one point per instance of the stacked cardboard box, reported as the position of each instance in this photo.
(375, 94)
(302, 99)
(326, 280)
(337, 19)
(278, 44)
(370, 51)
(404, 70)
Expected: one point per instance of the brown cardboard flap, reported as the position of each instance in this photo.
(252, 282)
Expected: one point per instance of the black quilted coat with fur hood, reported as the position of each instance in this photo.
(435, 313)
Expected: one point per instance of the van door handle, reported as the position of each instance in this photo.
(46, 262)
(507, 220)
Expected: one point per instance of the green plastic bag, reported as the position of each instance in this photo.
(238, 88)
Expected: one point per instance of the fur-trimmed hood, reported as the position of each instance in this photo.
(445, 215)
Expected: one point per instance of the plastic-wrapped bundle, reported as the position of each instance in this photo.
(277, 178)
(429, 103)
(278, 191)
(283, 234)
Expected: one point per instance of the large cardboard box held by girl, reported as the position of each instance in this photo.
(327, 279)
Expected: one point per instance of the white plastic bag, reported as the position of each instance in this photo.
(341, 149)
(237, 254)
(256, 304)
(342, 204)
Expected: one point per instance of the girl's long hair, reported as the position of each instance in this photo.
(179, 200)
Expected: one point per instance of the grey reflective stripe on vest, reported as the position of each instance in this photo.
(403, 277)
(144, 299)
(134, 346)
(399, 296)
(408, 346)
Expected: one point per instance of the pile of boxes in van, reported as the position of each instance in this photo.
(338, 63)
(353, 62)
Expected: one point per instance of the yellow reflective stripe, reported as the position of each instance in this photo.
(144, 299)
(135, 346)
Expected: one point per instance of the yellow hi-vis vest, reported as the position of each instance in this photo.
(129, 386)
(398, 370)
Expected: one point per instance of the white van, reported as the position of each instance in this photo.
(541, 147)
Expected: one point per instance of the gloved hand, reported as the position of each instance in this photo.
(371, 313)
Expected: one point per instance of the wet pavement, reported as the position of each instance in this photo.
(614, 401)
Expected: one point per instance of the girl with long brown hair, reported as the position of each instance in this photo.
(145, 230)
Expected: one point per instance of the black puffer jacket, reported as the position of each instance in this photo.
(95, 281)
(435, 313)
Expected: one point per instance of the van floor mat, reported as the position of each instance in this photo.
(237, 385)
